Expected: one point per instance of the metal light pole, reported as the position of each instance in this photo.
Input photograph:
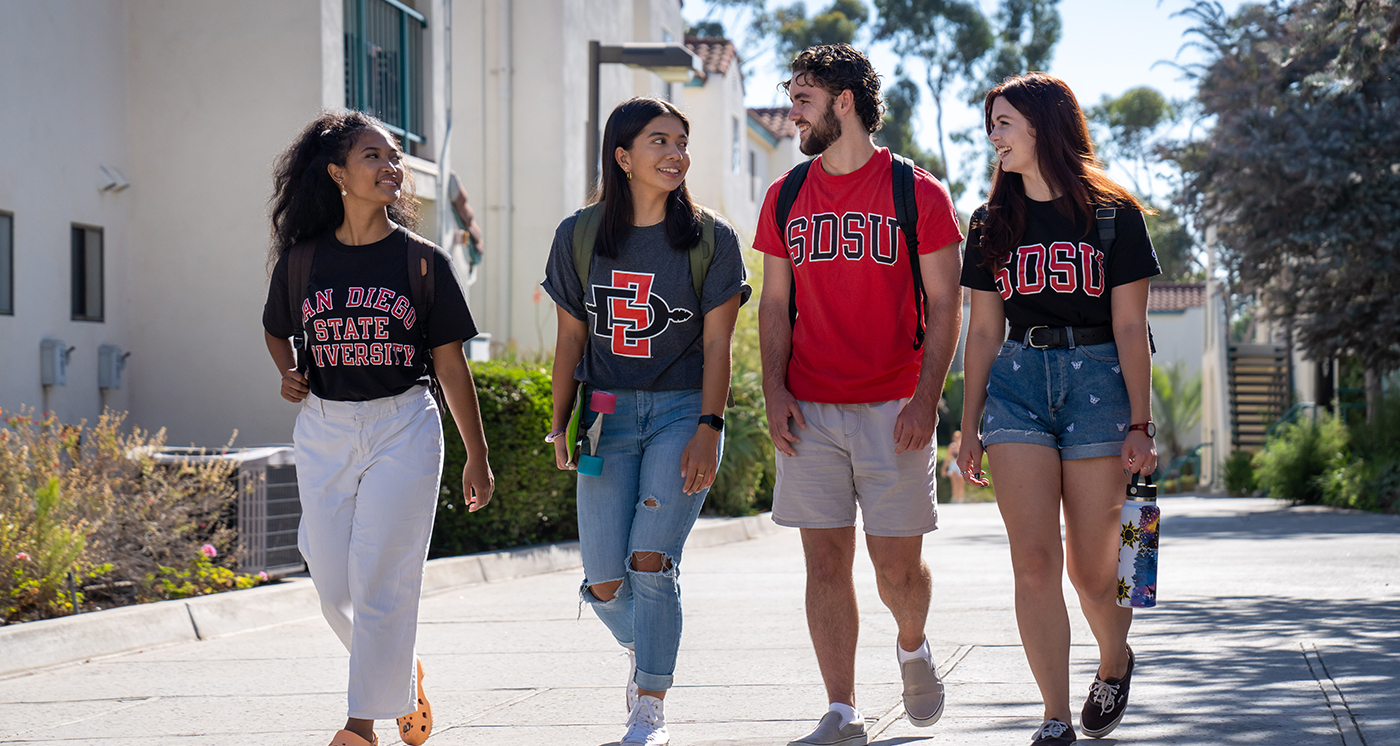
(674, 63)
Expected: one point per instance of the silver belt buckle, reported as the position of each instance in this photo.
(1030, 338)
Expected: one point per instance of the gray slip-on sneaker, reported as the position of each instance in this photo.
(923, 692)
(830, 732)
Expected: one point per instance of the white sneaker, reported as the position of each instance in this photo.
(632, 693)
(646, 726)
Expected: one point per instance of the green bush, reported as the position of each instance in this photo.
(746, 471)
(1297, 461)
(1370, 478)
(534, 500)
(1238, 472)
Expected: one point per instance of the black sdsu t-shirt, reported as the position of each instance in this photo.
(366, 338)
(1058, 275)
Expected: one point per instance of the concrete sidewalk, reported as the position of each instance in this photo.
(1277, 626)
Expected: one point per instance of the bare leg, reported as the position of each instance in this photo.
(361, 727)
(1027, 479)
(904, 582)
(832, 617)
(1093, 495)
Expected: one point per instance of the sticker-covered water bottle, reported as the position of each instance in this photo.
(1137, 545)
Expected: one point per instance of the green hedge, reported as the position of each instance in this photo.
(534, 500)
(1327, 462)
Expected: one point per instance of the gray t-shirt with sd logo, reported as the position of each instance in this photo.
(645, 325)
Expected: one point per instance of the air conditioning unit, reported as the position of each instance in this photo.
(269, 504)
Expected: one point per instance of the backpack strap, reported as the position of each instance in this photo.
(299, 259)
(787, 195)
(702, 253)
(585, 235)
(1108, 233)
(422, 291)
(906, 213)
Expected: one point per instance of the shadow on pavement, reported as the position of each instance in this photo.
(1262, 674)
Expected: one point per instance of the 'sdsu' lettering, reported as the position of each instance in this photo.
(1064, 268)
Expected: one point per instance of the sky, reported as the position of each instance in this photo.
(1106, 47)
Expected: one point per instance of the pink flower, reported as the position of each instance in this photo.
(22, 556)
(262, 575)
(209, 551)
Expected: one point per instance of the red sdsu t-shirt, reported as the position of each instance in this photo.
(854, 338)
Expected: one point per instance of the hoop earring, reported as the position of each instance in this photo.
(629, 175)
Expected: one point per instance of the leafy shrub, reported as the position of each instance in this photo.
(1296, 462)
(94, 502)
(748, 463)
(1238, 472)
(534, 500)
(1370, 478)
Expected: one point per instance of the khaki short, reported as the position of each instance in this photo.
(846, 458)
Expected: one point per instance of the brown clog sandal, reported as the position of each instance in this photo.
(350, 738)
(416, 726)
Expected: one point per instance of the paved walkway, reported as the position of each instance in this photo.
(1277, 626)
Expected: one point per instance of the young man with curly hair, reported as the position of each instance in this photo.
(851, 393)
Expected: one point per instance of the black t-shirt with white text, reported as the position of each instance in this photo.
(366, 338)
(1057, 275)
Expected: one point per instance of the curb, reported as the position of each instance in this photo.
(50, 642)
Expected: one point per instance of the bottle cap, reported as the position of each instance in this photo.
(1141, 488)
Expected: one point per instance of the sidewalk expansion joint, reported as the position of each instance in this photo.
(1345, 719)
(896, 711)
(110, 711)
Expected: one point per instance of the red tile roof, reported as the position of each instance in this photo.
(775, 121)
(1175, 296)
(715, 54)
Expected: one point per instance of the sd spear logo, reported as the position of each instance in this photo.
(628, 314)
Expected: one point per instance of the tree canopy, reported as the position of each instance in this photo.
(1300, 172)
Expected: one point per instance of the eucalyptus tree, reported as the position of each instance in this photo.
(949, 37)
(1300, 171)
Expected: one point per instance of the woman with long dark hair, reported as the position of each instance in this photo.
(634, 326)
(369, 434)
(1063, 405)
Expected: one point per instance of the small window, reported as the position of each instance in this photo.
(753, 176)
(738, 148)
(87, 273)
(7, 264)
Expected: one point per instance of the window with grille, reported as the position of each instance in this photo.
(384, 65)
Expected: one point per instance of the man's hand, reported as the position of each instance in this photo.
(781, 405)
(913, 428)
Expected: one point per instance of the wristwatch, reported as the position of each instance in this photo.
(713, 420)
(1147, 427)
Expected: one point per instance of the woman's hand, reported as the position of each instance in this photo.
(970, 461)
(295, 387)
(700, 460)
(561, 453)
(1139, 453)
(477, 484)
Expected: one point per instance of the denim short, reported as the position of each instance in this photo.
(1069, 398)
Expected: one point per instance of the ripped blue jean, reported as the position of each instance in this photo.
(637, 506)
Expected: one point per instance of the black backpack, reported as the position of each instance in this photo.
(906, 213)
(421, 289)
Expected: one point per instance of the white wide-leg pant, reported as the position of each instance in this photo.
(368, 474)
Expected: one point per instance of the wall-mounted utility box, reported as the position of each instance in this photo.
(110, 363)
(53, 362)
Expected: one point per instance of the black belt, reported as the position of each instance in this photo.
(1059, 336)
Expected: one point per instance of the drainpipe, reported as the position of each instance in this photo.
(506, 213)
(446, 224)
